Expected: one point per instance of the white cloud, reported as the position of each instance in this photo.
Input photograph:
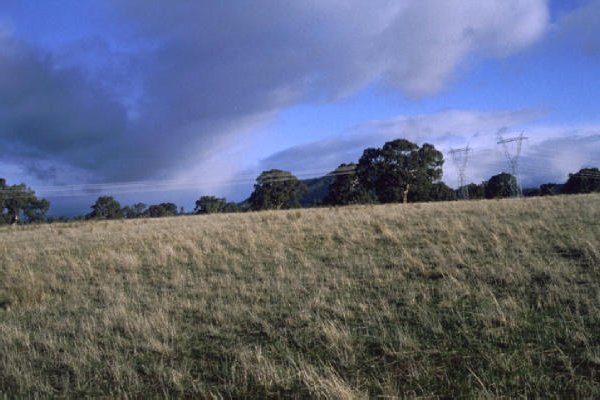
(549, 154)
(429, 39)
(337, 45)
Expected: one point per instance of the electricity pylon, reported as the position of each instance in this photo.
(513, 160)
(460, 157)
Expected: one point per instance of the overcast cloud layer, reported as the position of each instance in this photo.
(198, 75)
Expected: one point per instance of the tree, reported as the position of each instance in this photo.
(400, 171)
(162, 210)
(439, 191)
(276, 189)
(345, 188)
(106, 207)
(210, 204)
(135, 211)
(19, 200)
(501, 185)
(474, 191)
(35, 211)
(587, 180)
(231, 207)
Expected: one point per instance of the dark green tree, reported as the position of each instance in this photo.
(587, 180)
(35, 211)
(345, 188)
(17, 201)
(501, 185)
(231, 207)
(135, 211)
(210, 204)
(161, 210)
(276, 189)
(400, 171)
(106, 207)
(474, 191)
(439, 191)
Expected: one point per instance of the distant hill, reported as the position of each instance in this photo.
(317, 190)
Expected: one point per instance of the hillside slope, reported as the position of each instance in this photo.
(440, 299)
(316, 190)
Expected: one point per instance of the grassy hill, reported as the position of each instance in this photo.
(482, 298)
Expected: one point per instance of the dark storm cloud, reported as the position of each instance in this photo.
(49, 113)
(196, 75)
(55, 116)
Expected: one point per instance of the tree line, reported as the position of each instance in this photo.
(398, 172)
(106, 207)
(402, 172)
(18, 203)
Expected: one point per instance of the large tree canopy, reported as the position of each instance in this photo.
(19, 200)
(346, 189)
(276, 189)
(210, 205)
(106, 207)
(161, 210)
(213, 204)
(439, 191)
(587, 180)
(137, 210)
(472, 190)
(400, 170)
(501, 185)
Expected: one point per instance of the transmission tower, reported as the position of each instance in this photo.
(460, 157)
(513, 159)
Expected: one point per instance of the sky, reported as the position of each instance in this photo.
(156, 101)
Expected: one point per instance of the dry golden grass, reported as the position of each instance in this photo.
(482, 298)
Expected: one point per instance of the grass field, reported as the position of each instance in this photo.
(482, 298)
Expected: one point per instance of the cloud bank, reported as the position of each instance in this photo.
(196, 76)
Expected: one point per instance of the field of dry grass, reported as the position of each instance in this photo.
(481, 298)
